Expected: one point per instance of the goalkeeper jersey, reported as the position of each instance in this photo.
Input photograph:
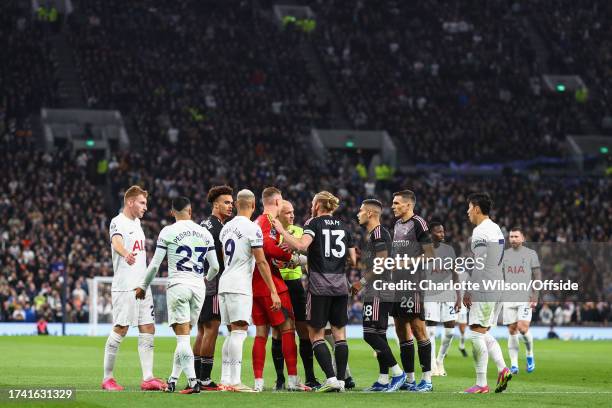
(293, 273)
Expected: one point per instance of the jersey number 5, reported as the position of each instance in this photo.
(339, 249)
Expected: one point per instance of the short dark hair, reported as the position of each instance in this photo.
(435, 223)
(180, 203)
(483, 201)
(372, 201)
(217, 191)
(406, 195)
(517, 228)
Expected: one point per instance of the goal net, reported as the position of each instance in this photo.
(100, 305)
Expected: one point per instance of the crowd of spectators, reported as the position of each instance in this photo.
(450, 81)
(27, 79)
(219, 95)
(56, 219)
(579, 41)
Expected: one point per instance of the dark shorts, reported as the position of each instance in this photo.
(376, 314)
(410, 306)
(323, 309)
(210, 309)
(262, 314)
(298, 298)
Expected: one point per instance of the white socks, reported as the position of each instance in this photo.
(446, 342)
(513, 349)
(396, 370)
(528, 339)
(431, 333)
(225, 362)
(183, 358)
(495, 352)
(462, 341)
(110, 353)
(481, 357)
(145, 352)
(383, 379)
(236, 341)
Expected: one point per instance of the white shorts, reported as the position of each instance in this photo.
(484, 314)
(234, 307)
(462, 316)
(440, 311)
(513, 312)
(129, 311)
(184, 303)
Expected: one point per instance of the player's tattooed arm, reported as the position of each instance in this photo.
(299, 244)
(368, 276)
(117, 244)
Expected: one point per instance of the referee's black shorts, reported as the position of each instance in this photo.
(298, 298)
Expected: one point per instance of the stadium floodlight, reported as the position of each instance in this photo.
(560, 88)
(349, 143)
(90, 143)
(603, 150)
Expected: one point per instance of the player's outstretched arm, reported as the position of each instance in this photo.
(299, 244)
(117, 244)
(213, 265)
(160, 254)
(264, 270)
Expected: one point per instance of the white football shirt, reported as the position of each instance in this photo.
(238, 237)
(488, 248)
(189, 248)
(127, 277)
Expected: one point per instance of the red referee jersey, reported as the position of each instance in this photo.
(271, 239)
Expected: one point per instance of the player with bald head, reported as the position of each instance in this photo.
(292, 275)
(242, 242)
(329, 244)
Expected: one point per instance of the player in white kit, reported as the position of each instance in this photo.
(521, 265)
(485, 304)
(129, 267)
(242, 242)
(190, 249)
(441, 307)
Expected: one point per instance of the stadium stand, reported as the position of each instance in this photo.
(223, 96)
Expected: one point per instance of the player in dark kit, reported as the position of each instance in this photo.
(411, 238)
(329, 244)
(220, 197)
(377, 303)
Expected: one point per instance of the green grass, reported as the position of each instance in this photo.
(569, 374)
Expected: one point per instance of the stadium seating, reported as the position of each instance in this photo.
(222, 96)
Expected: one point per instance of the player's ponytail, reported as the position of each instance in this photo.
(327, 200)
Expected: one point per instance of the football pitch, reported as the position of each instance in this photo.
(568, 374)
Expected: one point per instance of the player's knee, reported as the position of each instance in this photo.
(121, 330)
(371, 338)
